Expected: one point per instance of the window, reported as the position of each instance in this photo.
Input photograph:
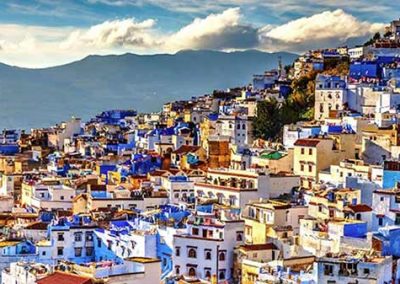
(99, 243)
(358, 216)
(239, 236)
(61, 237)
(177, 251)
(302, 168)
(328, 269)
(78, 252)
(302, 151)
(309, 168)
(382, 198)
(62, 197)
(397, 220)
(310, 151)
(222, 274)
(207, 273)
(43, 253)
(78, 237)
(221, 256)
(89, 251)
(89, 236)
(195, 231)
(177, 270)
(207, 255)
(192, 253)
(366, 270)
(380, 221)
(192, 272)
(60, 251)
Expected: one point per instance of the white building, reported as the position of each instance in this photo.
(24, 273)
(207, 249)
(353, 269)
(330, 95)
(233, 187)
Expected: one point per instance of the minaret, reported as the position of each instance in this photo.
(280, 66)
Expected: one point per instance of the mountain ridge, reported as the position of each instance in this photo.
(42, 97)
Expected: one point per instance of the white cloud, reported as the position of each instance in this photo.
(330, 24)
(33, 46)
(216, 31)
(111, 34)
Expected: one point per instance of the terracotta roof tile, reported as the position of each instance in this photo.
(307, 142)
(64, 278)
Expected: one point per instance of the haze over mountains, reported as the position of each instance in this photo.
(43, 97)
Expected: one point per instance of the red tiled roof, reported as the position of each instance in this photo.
(360, 208)
(307, 142)
(258, 247)
(64, 278)
(37, 226)
(186, 149)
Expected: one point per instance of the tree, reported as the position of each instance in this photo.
(267, 123)
(377, 36)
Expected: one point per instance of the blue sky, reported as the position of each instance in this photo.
(42, 33)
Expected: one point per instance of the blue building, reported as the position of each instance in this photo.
(359, 70)
(114, 116)
(391, 174)
(388, 239)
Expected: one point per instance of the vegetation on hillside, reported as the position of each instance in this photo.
(272, 115)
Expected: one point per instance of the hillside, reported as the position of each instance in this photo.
(42, 97)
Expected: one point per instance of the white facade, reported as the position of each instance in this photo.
(207, 249)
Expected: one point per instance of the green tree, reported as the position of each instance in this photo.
(267, 123)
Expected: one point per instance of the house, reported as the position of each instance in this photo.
(71, 239)
(349, 268)
(386, 208)
(311, 155)
(49, 194)
(25, 272)
(330, 95)
(206, 250)
(263, 217)
(232, 187)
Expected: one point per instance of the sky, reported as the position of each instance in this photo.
(43, 33)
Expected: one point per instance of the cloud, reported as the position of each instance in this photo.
(328, 26)
(113, 34)
(34, 46)
(216, 31)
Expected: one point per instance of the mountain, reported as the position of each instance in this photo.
(42, 97)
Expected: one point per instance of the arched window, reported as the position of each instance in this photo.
(177, 270)
(208, 274)
(221, 275)
(192, 272)
(208, 255)
(243, 126)
(192, 253)
(221, 256)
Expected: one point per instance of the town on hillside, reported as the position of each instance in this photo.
(294, 178)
